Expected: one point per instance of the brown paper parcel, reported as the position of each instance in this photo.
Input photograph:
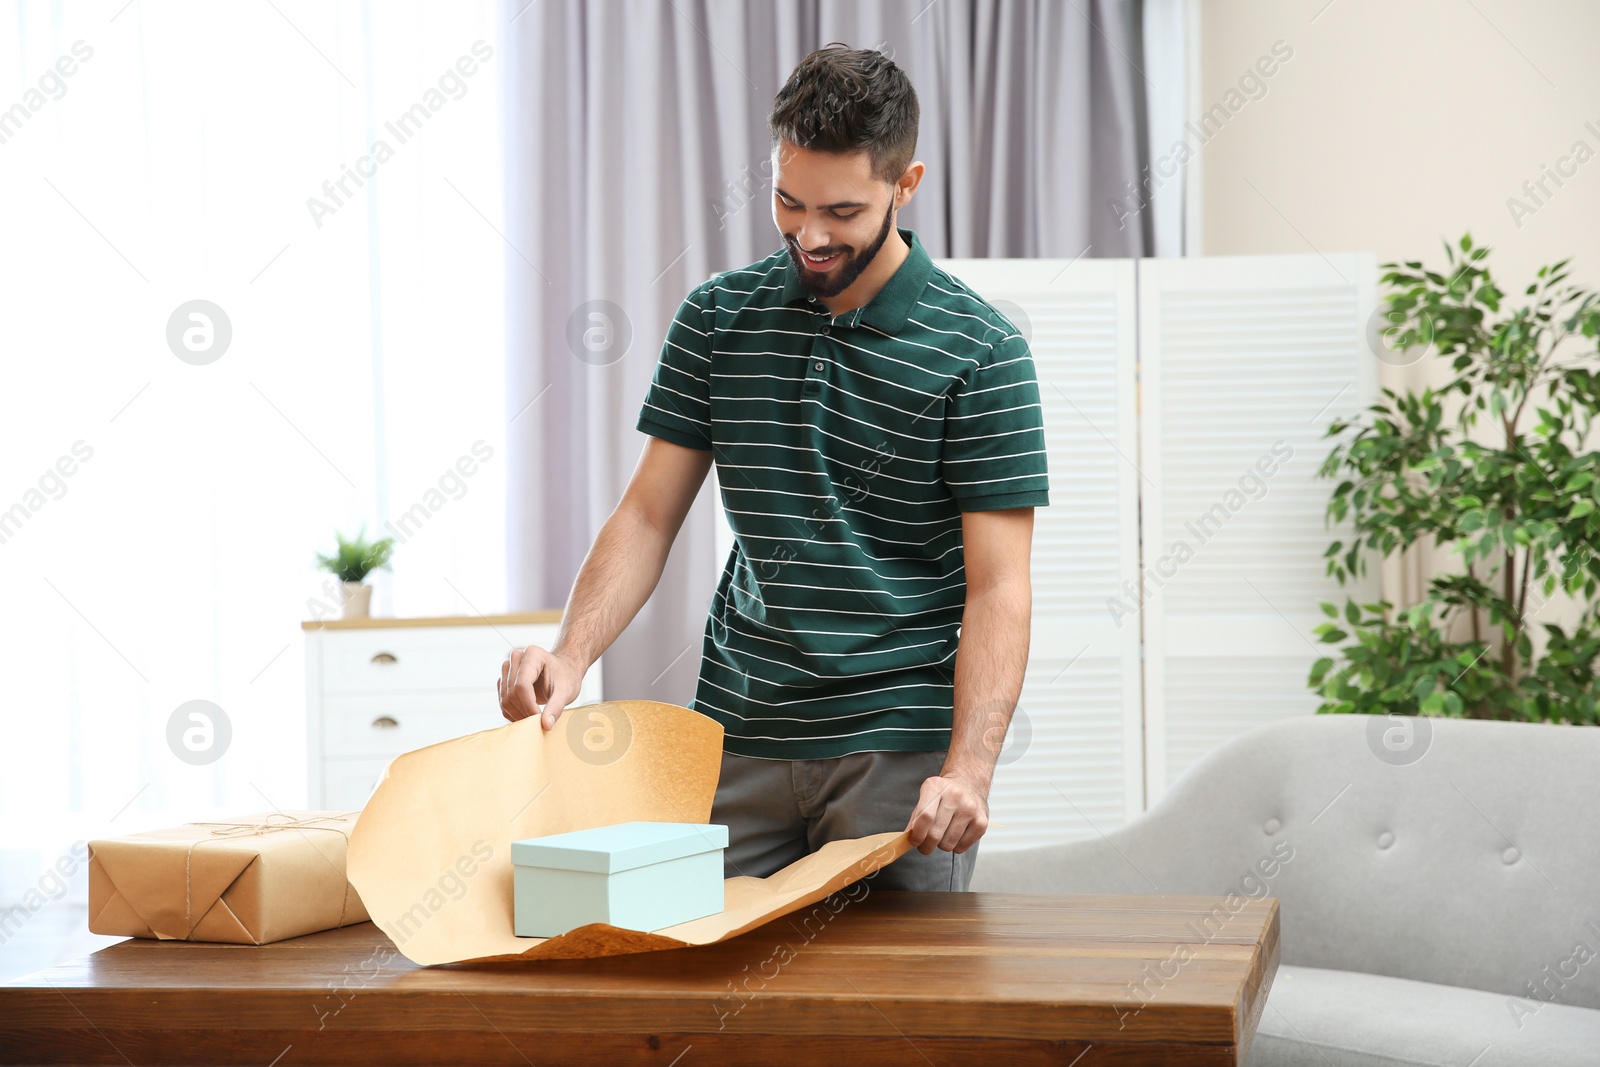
(431, 854)
(249, 880)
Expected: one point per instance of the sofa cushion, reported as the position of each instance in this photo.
(1322, 1018)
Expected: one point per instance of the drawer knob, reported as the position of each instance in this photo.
(385, 722)
(385, 657)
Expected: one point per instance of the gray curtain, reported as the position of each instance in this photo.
(637, 152)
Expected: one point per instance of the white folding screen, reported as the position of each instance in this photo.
(1244, 361)
(1184, 405)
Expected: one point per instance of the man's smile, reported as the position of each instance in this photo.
(819, 264)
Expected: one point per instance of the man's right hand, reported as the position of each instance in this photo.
(616, 578)
(531, 678)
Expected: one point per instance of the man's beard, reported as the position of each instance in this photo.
(843, 274)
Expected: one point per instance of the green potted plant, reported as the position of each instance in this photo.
(1491, 467)
(353, 561)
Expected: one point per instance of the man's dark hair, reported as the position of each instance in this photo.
(842, 99)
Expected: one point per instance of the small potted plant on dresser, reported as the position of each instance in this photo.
(351, 564)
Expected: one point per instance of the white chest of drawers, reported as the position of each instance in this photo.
(378, 687)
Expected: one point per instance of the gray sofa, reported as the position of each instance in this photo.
(1438, 883)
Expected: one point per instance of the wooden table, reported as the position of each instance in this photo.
(890, 978)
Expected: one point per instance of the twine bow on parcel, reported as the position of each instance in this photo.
(431, 853)
(267, 826)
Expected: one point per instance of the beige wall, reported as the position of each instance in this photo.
(1396, 124)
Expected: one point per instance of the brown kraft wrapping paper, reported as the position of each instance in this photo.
(248, 880)
(431, 854)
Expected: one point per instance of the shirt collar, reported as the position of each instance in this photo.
(890, 308)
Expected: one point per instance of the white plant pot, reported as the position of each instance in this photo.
(357, 600)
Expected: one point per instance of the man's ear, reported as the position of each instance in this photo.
(906, 187)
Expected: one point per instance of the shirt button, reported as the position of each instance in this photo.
(817, 364)
(824, 331)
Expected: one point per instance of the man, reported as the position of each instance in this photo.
(878, 440)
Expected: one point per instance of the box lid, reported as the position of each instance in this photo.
(619, 847)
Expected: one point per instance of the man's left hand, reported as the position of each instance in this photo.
(952, 813)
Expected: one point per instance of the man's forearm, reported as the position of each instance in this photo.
(617, 577)
(990, 661)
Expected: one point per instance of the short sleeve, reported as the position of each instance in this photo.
(677, 406)
(994, 450)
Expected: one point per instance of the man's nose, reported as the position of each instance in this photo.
(812, 237)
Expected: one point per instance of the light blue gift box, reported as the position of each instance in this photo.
(634, 875)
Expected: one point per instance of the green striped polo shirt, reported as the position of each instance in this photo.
(847, 448)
